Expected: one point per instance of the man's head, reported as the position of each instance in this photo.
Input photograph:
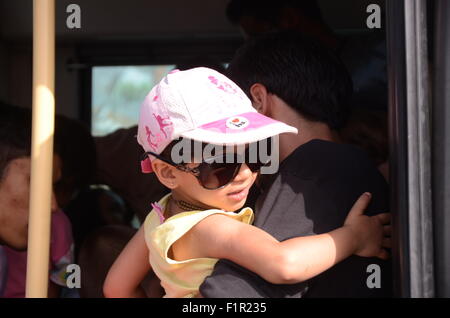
(309, 78)
(15, 135)
(15, 169)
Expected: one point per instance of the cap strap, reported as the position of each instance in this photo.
(146, 166)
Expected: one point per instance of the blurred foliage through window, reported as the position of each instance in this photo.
(117, 94)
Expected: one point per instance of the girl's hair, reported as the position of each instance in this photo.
(15, 135)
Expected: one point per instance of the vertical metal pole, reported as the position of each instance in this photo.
(441, 149)
(419, 150)
(42, 147)
(398, 163)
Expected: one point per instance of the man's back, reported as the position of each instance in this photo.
(315, 188)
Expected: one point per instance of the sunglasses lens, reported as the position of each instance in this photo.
(216, 175)
(254, 163)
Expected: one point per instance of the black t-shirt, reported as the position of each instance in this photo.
(312, 193)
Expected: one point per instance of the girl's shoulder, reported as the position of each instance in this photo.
(244, 215)
(179, 224)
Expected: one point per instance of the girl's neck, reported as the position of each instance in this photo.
(178, 204)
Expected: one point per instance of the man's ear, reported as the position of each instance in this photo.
(259, 95)
(165, 173)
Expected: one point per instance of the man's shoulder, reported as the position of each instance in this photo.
(326, 158)
(328, 177)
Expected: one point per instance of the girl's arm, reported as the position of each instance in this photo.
(129, 270)
(294, 260)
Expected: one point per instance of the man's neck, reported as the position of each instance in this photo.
(307, 131)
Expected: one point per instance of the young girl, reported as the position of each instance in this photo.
(195, 225)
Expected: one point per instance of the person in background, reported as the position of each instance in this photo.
(3, 270)
(363, 51)
(114, 152)
(368, 130)
(75, 145)
(15, 170)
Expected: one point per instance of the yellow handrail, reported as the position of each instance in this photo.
(42, 147)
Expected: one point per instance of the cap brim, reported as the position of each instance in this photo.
(257, 128)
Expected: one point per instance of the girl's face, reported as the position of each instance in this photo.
(232, 197)
(14, 201)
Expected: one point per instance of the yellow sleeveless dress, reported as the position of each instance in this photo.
(180, 278)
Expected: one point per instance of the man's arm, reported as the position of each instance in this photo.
(277, 213)
(230, 280)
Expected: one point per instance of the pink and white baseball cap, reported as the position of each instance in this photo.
(203, 105)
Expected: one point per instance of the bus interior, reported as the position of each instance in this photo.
(110, 55)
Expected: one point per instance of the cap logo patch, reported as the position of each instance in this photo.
(237, 122)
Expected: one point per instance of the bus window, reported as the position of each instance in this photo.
(117, 93)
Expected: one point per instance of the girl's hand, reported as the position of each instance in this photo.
(371, 232)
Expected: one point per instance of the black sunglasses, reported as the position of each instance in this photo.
(215, 172)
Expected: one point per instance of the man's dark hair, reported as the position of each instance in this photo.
(271, 10)
(15, 134)
(307, 76)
